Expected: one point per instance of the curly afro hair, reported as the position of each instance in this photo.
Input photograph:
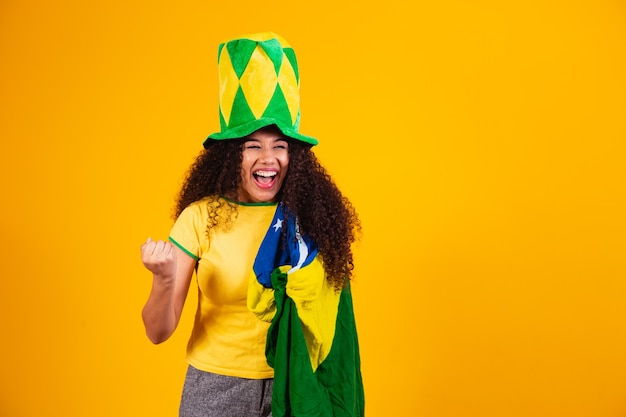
(308, 192)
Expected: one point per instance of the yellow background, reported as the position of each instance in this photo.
(481, 141)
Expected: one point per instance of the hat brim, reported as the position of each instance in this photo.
(254, 125)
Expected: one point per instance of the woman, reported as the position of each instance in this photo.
(258, 165)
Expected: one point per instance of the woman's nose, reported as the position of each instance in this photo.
(267, 154)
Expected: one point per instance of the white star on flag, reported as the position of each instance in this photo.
(278, 225)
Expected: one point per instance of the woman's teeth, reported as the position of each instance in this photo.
(265, 174)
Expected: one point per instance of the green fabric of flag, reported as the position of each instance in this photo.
(335, 388)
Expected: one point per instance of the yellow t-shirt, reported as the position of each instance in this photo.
(227, 338)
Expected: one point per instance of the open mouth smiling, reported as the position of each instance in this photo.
(265, 178)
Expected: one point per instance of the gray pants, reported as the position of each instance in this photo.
(210, 395)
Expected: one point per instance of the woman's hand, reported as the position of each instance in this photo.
(159, 258)
(171, 270)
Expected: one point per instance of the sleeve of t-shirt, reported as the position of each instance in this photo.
(188, 230)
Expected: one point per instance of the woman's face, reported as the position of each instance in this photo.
(265, 159)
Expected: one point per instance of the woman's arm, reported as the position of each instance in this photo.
(172, 270)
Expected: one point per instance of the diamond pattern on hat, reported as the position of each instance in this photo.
(240, 52)
(228, 89)
(288, 82)
(277, 109)
(291, 56)
(274, 51)
(258, 85)
(241, 113)
(259, 82)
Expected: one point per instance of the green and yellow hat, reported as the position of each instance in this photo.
(259, 85)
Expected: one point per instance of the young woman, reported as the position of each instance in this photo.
(257, 166)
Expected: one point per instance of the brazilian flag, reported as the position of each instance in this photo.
(312, 342)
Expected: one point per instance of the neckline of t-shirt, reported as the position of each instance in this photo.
(240, 203)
